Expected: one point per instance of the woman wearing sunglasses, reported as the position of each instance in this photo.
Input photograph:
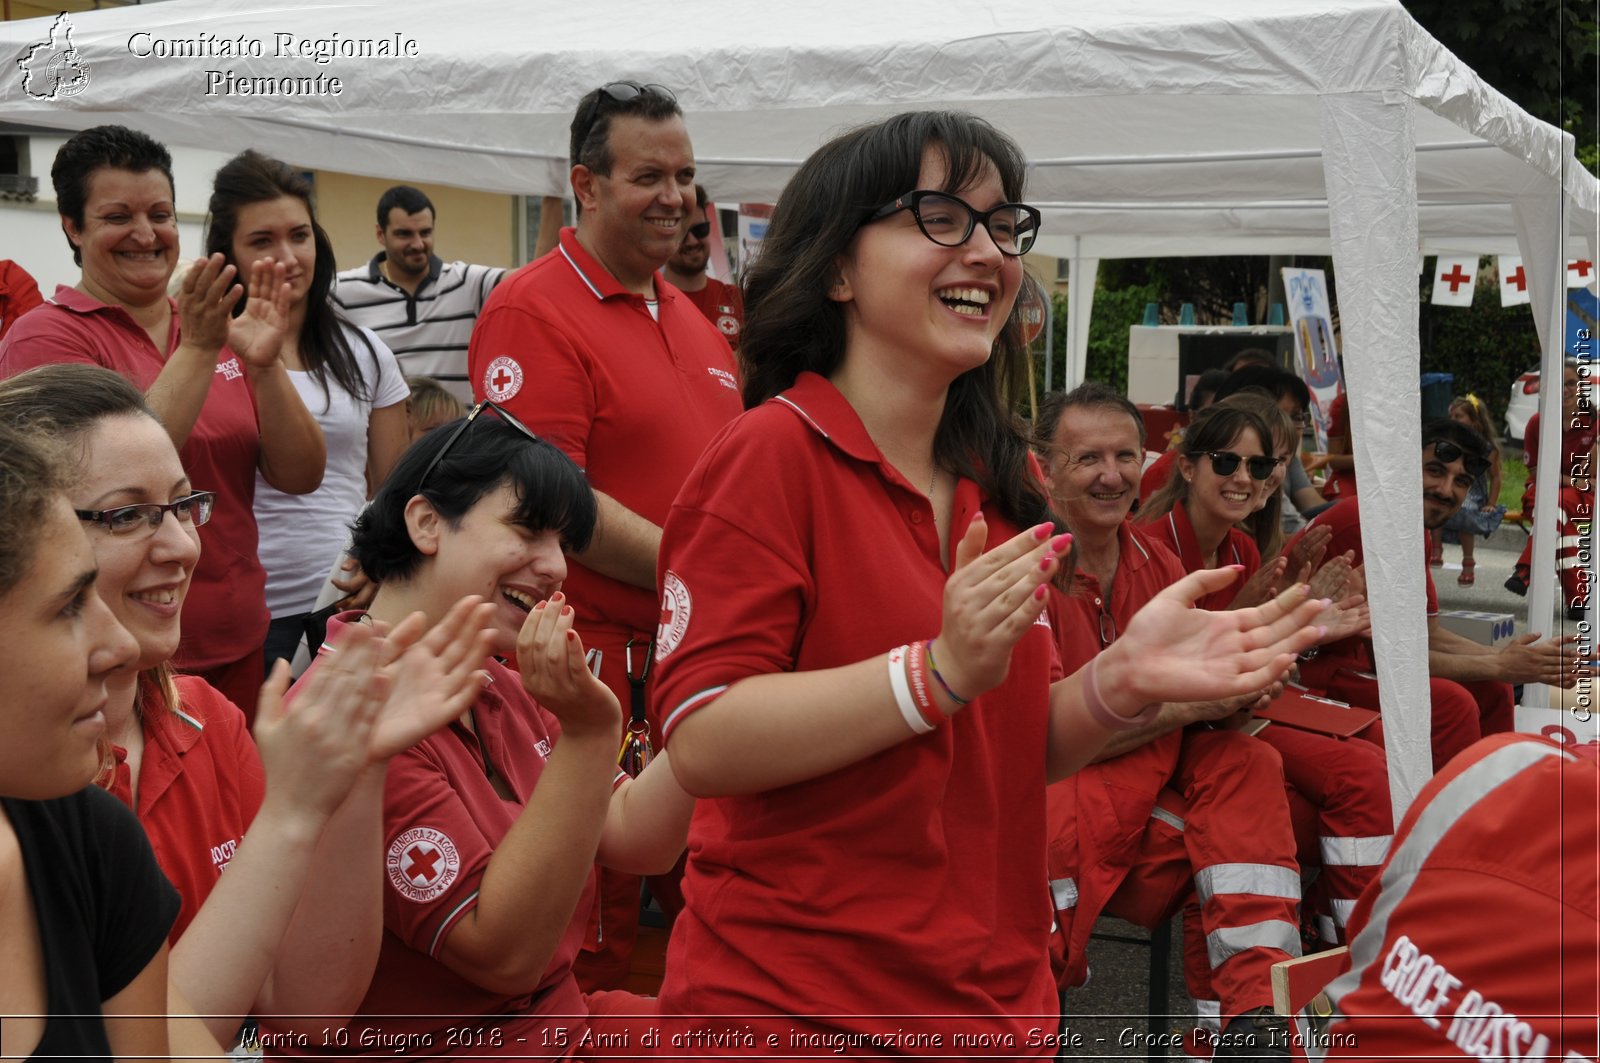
(294, 816)
(492, 826)
(261, 212)
(851, 659)
(1339, 790)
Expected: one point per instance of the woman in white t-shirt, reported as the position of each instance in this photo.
(261, 210)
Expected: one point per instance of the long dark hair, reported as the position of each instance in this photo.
(251, 177)
(1213, 428)
(791, 325)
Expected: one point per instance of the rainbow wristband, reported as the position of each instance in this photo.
(937, 678)
(901, 686)
(1102, 712)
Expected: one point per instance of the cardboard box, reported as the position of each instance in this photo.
(1491, 629)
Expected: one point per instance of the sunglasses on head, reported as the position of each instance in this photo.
(1446, 451)
(620, 92)
(466, 423)
(1224, 462)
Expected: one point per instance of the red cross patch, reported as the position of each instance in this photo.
(422, 863)
(502, 379)
(676, 604)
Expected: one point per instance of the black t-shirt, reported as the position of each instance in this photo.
(103, 905)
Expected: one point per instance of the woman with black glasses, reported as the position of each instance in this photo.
(273, 843)
(492, 825)
(851, 659)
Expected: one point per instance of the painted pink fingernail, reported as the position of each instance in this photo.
(566, 610)
(1044, 565)
(1039, 593)
(541, 605)
(1236, 568)
(1042, 532)
(572, 636)
(1060, 543)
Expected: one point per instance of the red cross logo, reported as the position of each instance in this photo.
(665, 619)
(502, 380)
(422, 864)
(1581, 267)
(1519, 279)
(1455, 278)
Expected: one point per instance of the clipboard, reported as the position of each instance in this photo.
(1299, 708)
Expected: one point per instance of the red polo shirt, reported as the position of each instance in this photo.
(909, 884)
(200, 786)
(1341, 483)
(1577, 441)
(1176, 533)
(225, 614)
(442, 820)
(630, 398)
(1158, 474)
(723, 306)
(1344, 518)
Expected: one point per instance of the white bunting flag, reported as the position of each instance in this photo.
(1453, 280)
(1513, 281)
(1580, 274)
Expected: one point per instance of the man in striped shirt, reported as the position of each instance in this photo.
(421, 306)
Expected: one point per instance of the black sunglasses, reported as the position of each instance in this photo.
(700, 231)
(619, 92)
(949, 221)
(1224, 462)
(1446, 451)
(466, 423)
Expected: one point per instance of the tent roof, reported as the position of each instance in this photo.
(1173, 128)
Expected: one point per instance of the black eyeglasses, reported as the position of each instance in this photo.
(147, 516)
(949, 221)
(1224, 462)
(1446, 451)
(700, 231)
(466, 423)
(619, 92)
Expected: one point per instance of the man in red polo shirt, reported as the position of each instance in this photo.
(1453, 456)
(1185, 811)
(599, 355)
(722, 304)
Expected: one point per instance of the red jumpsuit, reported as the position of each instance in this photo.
(1480, 940)
(1462, 712)
(1575, 507)
(1345, 783)
(1196, 815)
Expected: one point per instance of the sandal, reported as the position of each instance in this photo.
(1467, 578)
(1436, 553)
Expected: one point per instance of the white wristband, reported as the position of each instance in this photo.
(902, 691)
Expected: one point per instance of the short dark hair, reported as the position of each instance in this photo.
(1091, 394)
(551, 490)
(1471, 443)
(113, 147)
(1269, 378)
(1206, 383)
(589, 145)
(409, 200)
(700, 197)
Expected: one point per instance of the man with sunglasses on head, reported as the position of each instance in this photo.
(1453, 456)
(722, 304)
(593, 350)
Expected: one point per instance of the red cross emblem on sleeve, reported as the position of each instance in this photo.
(421, 863)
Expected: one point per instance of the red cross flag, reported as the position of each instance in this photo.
(1513, 281)
(1453, 280)
(1580, 274)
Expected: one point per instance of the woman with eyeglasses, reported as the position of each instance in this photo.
(1339, 790)
(274, 844)
(217, 382)
(851, 663)
(492, 826)
(261, 212)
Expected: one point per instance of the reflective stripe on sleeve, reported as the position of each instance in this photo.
(1355, 852)
(1226, 942)
(1264, 880)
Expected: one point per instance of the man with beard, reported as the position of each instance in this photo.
(722, 304)
(418, 304)
(1453, 456)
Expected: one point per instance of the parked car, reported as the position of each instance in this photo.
(1523, 405)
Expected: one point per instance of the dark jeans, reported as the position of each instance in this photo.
(284, 634)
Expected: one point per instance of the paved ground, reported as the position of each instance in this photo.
(1111, 1011)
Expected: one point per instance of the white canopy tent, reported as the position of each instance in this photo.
(1177, 127)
